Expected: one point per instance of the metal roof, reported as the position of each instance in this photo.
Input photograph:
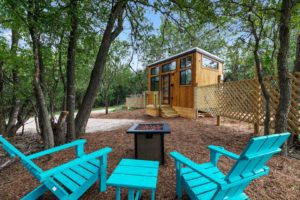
(195, 49)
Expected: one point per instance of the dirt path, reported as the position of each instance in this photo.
(189, 137)
(93, 124)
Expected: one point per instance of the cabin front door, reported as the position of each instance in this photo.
(166, 89)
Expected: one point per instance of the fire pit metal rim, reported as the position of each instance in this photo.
(166, 128)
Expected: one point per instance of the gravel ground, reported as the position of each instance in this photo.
(93, 124)
(190, 137)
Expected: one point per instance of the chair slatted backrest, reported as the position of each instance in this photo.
(14, 152)
(252, 163)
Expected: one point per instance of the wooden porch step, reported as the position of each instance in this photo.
(168, 112)
(170, 115)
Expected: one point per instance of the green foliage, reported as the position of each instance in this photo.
(220, 27)
(119, 80)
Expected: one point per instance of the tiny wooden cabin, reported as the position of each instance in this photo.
(171, 82)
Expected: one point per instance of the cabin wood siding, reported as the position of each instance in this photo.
(207, 76)
(183, 95)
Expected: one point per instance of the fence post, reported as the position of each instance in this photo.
(145, 99)
(258, 104)
(218, 116)
(154, 98)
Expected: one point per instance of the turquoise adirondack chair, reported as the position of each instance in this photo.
(69, 180)
(206, 181)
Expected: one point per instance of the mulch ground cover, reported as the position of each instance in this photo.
(189, 137)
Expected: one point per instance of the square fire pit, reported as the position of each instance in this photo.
(149, 140)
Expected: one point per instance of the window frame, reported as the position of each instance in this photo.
(155, 67)
(151, 77)
(209, 68)
(186, 62)
(186, 75)
(185, 69)
(168, 64)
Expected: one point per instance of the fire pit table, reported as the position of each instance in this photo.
(149, 140)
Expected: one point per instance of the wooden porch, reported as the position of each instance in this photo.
(155, 107)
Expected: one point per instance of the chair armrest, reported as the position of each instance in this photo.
(78, 143)
(196, 167)
(216, 152)
(223, 151)
(77, 161)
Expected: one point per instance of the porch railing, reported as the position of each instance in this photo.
(152, 98)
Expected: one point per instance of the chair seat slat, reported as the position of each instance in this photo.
(82, 171)
(95, 162)
(66, 182)
(74, 176)
(199, 180)
(90, 167)
(205, 188)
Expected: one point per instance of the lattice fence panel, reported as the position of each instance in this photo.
(243, 100)
(294, 115)
(208, 99)
(239, 100)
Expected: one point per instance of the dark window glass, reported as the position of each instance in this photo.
(182, 63)
(154, 83)
(154, 70)
(186, 62)
(169, 67)
(182, 77)
(208, 63)
(186, 77)
(165, 68)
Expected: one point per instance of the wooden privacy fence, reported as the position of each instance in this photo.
(243, 100)
(136, 101)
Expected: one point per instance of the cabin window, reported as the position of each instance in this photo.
(165, 68)
(172, 66)
(186, 77)
(169, 67)
(186, 62)
(208, 63)
(155, 71)
(154, 83)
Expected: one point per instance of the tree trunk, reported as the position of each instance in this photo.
(16, 102)
(71, 135)
(62, 77)
(24, 114)
(37, 82)
(259, 69)
(283, 71)
(106, 106)
(281, 123)
(297, 60)
(2, 115)
(265, 93)
(109, 35)
(59, 129)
